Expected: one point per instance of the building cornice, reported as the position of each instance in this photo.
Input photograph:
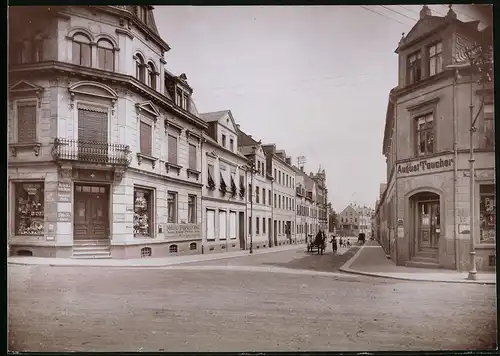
(139, 24)
(70, 69)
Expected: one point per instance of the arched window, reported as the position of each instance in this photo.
(139, 68)
(105, 55)
(82, 50)
(151, 75)
(192, 246)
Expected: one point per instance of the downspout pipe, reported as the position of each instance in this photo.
(395, 213)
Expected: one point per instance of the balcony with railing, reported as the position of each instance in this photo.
(92, 152)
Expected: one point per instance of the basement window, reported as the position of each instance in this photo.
(173, 248)
(146, 252)
(24, 253)
(492, 260)
(192, 246)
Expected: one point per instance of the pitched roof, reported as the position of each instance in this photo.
(245, 139)
(213, 116)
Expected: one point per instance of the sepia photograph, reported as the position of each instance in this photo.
(251, 178)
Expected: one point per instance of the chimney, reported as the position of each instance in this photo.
(288, 160)
(302, 169)
(425, 12)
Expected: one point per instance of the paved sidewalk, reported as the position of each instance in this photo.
(143, 262)
(371, 260)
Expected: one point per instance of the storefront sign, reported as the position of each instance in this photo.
(182, 231)
(64, 187)
(424, 166)
(64, 217)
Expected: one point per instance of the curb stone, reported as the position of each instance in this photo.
(346, 268)
(159, 264)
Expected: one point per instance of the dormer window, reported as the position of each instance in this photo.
(182, 98)
(435, 59)
(414, 68)
(223, 140)
(231, 144)
(142, 13)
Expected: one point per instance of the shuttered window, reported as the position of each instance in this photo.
(92, 125)
(172, 149)
(192, 157)
(146, 140)
(26, 122)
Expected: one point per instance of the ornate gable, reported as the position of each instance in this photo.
(421, 29)
(148, 108)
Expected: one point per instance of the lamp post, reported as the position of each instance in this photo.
(471, 64)
(252, 172)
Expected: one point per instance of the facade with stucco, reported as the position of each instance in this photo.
(122, 177)
(425, 208)
(224, 202)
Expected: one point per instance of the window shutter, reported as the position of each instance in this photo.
(146, 139)
(172, 149)
(192, 156)
(26, 123)
(92, 125)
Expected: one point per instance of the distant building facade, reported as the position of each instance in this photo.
(224, 201)
(306, 206)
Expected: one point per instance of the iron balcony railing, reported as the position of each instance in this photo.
(95, 152)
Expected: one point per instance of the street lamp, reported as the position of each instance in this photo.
(252, 172)
(470, 65)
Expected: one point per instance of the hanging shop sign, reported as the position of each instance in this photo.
(424, 166)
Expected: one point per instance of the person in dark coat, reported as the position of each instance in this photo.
(334, 243)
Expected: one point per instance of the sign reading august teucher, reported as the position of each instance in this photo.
(425, 165)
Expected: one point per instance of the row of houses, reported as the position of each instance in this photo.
(439, 120)
(109, 156)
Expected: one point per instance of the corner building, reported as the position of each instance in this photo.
(426, 203)
(105, 143)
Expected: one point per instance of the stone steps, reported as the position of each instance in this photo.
(91, 249)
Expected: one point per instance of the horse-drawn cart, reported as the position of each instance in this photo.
(316, 245)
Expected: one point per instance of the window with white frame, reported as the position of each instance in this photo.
(210, 224)
(231, 144)
(232, 224)
(257, 226)
(191, 209)
(172, 207)
(223, 140)
(435, 58)
(414, 68)
(425, 137)
(222, 225)
(264, 196)
(263, 225)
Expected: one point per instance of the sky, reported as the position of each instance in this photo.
(314, 80)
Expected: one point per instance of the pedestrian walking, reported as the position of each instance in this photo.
(334, 243)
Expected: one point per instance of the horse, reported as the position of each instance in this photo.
(319, 242)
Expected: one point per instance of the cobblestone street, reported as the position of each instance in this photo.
(150, 309)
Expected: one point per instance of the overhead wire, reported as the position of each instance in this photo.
(397, 12)
(387, 17)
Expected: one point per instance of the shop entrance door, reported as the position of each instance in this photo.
(428, 224)
(91, 220)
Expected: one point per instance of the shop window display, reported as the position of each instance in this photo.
(487, 211)
(29, 208)
(143, 212)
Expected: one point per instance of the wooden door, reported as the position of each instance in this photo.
(91, 212)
